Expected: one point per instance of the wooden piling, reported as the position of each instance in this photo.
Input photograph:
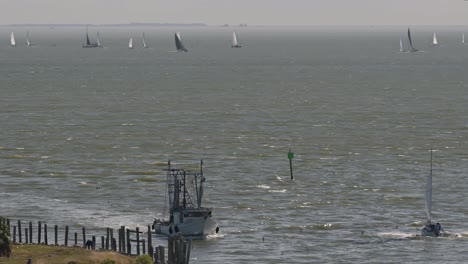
(39, 229)
(19, 232)
(8, 226)
(30, 232)
(129, 246)
(102, 242)
(84, 237)
(123, 238)
(94, 242)
(76, 239)
(45, 234)
(107, 238)
(150, 243)
(114, 244)
(56, 235)
(14, 234)
(66, 235)
(138, 240)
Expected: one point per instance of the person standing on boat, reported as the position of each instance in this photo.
(438, 228)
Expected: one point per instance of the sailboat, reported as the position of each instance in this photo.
(12, 40)
(234, 41)
(130, 43)
(144, 41)
(186, 214)
(430, 229)
(89, 44)
(401, 46)
(98, 42)
(412, 49)
(463, 39)
(27, 39)
(178, 42)
(434, 40)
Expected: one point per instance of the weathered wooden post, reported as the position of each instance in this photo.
(14, 234)
(26, 237)
(150, 243)
(19, 232)
(107, 238)
(129, 246)
(114, 244)
(94, 242)
(56, 235)
(290, 157)
(66, 235)
(144, 246)
(30, 232)
(102, 242)
(45, 235)
(170, 250)
(76, 239)
(138, 240)
(84, 237)
(122, 233)
(39, 229)
(8, 226)
(189, 249)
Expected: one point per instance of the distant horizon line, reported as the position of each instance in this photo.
(202, 25)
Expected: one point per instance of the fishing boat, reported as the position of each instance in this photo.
(178, 42)
(401, 46)
(144, 41)
(412, 49)
(89, 44)
(12, 40)
(431, 228)
(130, 43)
(434, 40)
(235, 44)
(186, 213)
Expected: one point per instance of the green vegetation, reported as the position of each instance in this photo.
(144, 259)
(5, 241)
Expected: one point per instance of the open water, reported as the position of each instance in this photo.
(85, 135)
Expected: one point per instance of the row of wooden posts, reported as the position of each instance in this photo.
(178, 248)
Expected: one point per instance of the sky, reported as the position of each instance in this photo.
(234, 12)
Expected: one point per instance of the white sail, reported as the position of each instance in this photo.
(97, 39)
(428, 194)
(434, 40)
(130, 43)
(144, 41)
(27, 39)
(401, 46)
(12, 40)
(178, 36)
(463, 38)
(234, 39)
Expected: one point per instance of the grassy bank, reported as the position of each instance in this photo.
(41, 254)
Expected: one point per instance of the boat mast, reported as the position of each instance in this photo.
(202, 179)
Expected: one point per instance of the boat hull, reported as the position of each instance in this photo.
(197, 227)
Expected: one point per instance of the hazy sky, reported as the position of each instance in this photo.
(252, 12)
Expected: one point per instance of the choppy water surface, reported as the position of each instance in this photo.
(359, 116)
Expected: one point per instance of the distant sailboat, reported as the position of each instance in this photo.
(434, 40)
(27, 39)
(12, 40)
(412, 49)
(144, 41)
(401, 46)
(130, 43)
(178, 42)
(463, 39)
(235, 44)
(98, 42)
(89, 44)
